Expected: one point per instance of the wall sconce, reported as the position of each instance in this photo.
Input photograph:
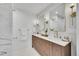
(73, 13)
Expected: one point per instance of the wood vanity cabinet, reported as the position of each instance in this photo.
(47, 48)
(57, 50)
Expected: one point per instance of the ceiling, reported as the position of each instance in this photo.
(33, 8)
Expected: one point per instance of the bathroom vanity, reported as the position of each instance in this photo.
(50, 47)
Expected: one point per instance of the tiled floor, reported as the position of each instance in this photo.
(20, 48)
(26, 52)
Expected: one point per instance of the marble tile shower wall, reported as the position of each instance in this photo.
(5, 29)
(15, 29)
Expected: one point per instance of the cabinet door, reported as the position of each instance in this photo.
(45, 45)
(56, 50)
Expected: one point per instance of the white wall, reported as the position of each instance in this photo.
(77, 29)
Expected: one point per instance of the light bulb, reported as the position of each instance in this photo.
(56, 12)
(72, 5)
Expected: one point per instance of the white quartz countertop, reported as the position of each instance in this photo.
(54, 40)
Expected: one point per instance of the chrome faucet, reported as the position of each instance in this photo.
(56, 34)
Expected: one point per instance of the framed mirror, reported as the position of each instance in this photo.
(57, 17)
